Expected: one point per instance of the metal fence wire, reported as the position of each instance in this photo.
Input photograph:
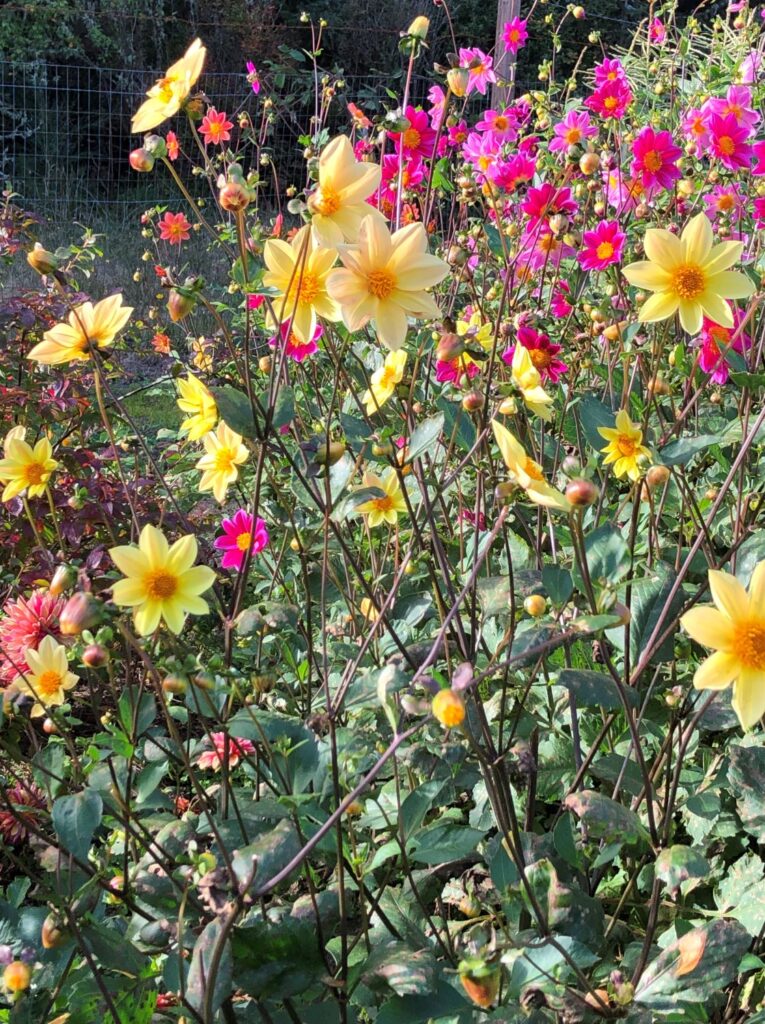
(65, 132)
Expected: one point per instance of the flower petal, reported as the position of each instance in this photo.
(697, 239)
(749, 697)
(708, 626)
(731, 284)
(646, 275)
(691, 317)
(717, 672)
(728, 594)
(659, 306)
(663, 248)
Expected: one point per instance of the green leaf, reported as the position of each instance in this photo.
(235, 408)
(741, 893)
(276, 958)
(75, 819)
(255, 864)
(284, 408)
(425, 436)
(595, 689)
(604, 818)
(459, 429)
(442, 843)
(593, 414)
(746, 775)
(694, 968)
(400, 968)
(558, 584)
(748, 555)
(677, 864)
(680, 453)
(650, 601)
(212, 953)
(494, 591)
(608, 557)
(445, 1001)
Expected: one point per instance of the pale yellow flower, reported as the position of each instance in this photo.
(384, 278)
(528, 380)
(224, 453)
(48, 677)
(299, 271)
(527, 473)
(689, 275)
(169, 92)
(384, 381)
(197, 401)
(735, 629)
(338, 204)
(385, 509)
(88, 327)
(25, 468)
(625, 448)
(161, 582)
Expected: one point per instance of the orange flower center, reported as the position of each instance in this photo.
(326, 201)
(626, 445)
(652, 160)
(725, 202)
(573, 135)
(224, 460)
(501, 123)
(514, 35)
(388, 378)
(719, 335)
(244, 541)
(610, 102)
(160, 584)
(688, 281)
(48, 683)
(532, 469)
(307, 288)
(411, 138)
(164, 89)
(540, 358)
(34, 473)
(604, 251)
(726, 144)
(749, 644)
(383, 504)
(381, 283)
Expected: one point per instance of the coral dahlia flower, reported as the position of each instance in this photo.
(23, 623)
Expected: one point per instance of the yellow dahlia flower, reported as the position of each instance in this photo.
(528, 380)
(25, 468)
(299, 271)
(384, 279)
(48, 677)
(169, 92)
(526, 472)
(625, 446)
(689, 275)
(224, 452)
(161, 582)
(384, 381)
(197, 401)
(385, 509)
(339, 204)
(735, 628)
(89, 326)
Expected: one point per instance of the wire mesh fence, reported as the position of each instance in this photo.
(65, 133)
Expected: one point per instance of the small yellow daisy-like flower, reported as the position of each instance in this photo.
(689, 275)
(299, 271)
(197, 401)
(88, 327)
(526, 472)
(384, 381)
(169, 92)
(339, 204)
(625, 446)
(528, 380)
(385, 278)
(48, 677)
(369, 610)
(25, 468)
(161, 582)
(224, 453)
(385, 509)
(735, 628)
(473, 330)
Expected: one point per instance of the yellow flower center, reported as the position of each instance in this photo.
(388, 378)
(383, 504)
(532, 469)
(161, 584)
(604, 251)
(726, 144)
(626, 445)
(540, 358)
(698, 127)
(224, 460)
(688, 281)
(164, 89)
(652, 160)
(34, 473)
(48, 683)
(610, 102)
(411, 138)
(326, 201)
(749, 644)
(484, 162)
(244, 541)
(381, 283)
(548, 243)
(573, 135)
(307, 288)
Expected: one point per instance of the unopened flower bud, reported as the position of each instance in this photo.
(657, 476)
(450, 346)
(535, 605)
(95, 656)
(458, 80)
(174, 684)
(473, 401)
(419, 27)
(578, 12)
(81, 611)
(589, 163)
(582, 492)
(234, 197)
(264, 364)
(329, 454)
(141, 160)
(53, 935)
(62, 580)
(17, 976)
(41, 260)
(178, 305)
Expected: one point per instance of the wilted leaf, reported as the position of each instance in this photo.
(404, 970)
(256, 863)
(677, 864)
(210, 966)
(746, 775)
(604, 818)
(741, 893)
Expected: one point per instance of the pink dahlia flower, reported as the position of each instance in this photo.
(23, 623)
(241, 533)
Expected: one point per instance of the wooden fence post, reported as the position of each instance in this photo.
(504, 60)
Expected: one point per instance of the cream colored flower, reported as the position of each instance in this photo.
(299, 271)
(200, 406)
(89, 326)
(338, 204)
(48, 677)
(169, 92)
(526, 472)
(528, 380)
